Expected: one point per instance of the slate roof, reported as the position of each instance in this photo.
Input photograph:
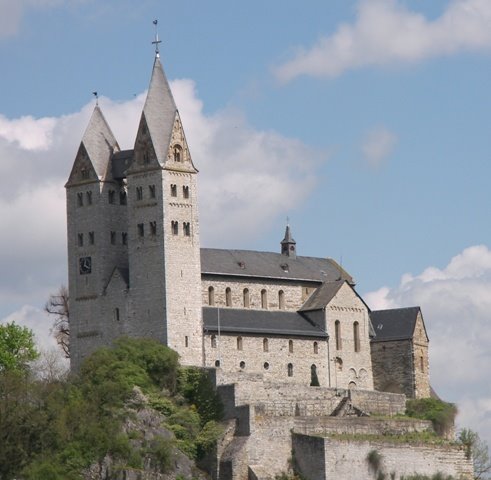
(394, 324)
(120, 162)
(260, 322)
(159, 111)
(99, 142)
(322, 296)
(248, 263)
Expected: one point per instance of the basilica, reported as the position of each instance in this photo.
(136, 268)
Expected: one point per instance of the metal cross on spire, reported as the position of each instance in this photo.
(156, 41)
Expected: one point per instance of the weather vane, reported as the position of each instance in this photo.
(96, 95)
(156, 41)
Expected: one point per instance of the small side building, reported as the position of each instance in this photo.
(400, 352)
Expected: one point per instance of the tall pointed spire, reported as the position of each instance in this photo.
(159, 112)
(96, 147)
(288, 245)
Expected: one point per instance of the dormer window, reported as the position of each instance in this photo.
(177, 153)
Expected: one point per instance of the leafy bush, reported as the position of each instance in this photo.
(195, 386)
(441, 414)
(374, 459)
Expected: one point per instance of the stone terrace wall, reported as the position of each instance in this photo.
(347, 460)
(298, 400)
(359, 425)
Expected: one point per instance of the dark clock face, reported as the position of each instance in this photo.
(85, 265)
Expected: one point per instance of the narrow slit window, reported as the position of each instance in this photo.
(281, 300)
(80, 199)
(247, 300)
(265, 345)
(124, 238)
(290, 346)
(122, 198)
(80, 237)
(141, 229)
(213, 341)
(211, 296)
(290, 369)
(113, 238)
(185, 191)
(153, 228)
(91, 238)
(264, 299)
(316, 348)
(337, 332)
(228, 297)
(187, 229)
(139, 193)
(175, 227)
(356, 336)
(173, 190)
(151, 191)
(239, 343)
(89, 198)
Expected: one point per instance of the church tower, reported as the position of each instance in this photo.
(164, 247)
(94, 215)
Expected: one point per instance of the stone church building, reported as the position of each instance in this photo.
(136, 268)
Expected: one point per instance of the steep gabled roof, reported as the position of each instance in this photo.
(159, 111)
(322, 296)
(248, 263)
(394, 324)
(258, 322)
(97, 145)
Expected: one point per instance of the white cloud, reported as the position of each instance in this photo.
(456, 306)
(386, 32)
(378, 145)
(247, 177)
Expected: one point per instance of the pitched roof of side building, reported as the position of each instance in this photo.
(395, 323)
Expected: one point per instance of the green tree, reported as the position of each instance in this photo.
(476, 449)
(17, 347)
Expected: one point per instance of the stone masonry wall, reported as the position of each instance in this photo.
(352, 365)
(273, 363)
(280, 399)
(421, 360)
(347, 460)
(392, 364)
(295, 293)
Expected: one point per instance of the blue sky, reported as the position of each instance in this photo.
(365, 121)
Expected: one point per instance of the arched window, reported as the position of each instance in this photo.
(337, 331)
(290, 346)
(174, 227)
(211, 296)
(116, 314)
(281, 300)
(242, 365)
(213, 341)
(316, 348)
(228, 297)
(247, 300)
(422, 363)
(239, 343)
(264, 299)
(177, 153)
(265, 345)
(217, 363)
(185, 191)
(290, 369)
(356, 336)
(314, 379)
(339, 364)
